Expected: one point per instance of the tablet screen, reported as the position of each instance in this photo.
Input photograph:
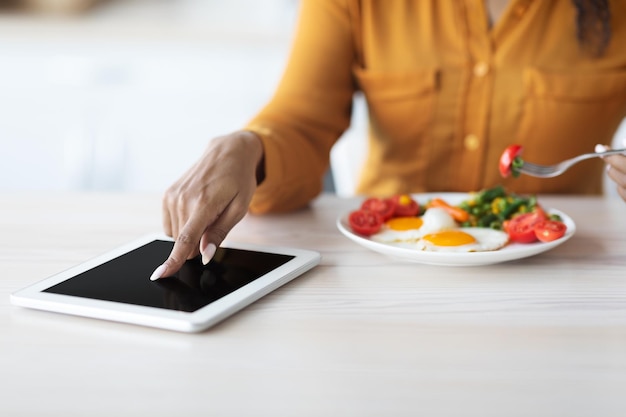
(125, 279)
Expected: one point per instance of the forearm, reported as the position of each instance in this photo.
(309, 111)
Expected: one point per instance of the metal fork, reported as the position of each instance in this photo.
(549, 171)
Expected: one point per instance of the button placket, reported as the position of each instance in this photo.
(478, 96)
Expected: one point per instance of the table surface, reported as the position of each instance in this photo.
(362, 334)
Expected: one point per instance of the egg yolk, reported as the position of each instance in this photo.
(404, 223)
(450, 238)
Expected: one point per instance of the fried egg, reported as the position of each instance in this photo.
(410, 229)
(437, 219)
(466, 239)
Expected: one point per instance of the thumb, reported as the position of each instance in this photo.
(215, 233)
(207, 249)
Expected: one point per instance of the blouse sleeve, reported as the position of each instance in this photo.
(310, 109)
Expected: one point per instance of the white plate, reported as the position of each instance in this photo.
(510, 252)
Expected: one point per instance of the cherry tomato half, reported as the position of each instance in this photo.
(549, 230)
(365, 222)
(540, 211)
(383, 206)
(405, 205)
(522, 228)
(507, 158)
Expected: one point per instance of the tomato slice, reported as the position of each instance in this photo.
(540, 211)
(507, 158)
(383, 206)
(522, 228)
(365, 222)
(405, 206)
(549, 230)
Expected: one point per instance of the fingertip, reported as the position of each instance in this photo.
(601, 148)
(159, 272)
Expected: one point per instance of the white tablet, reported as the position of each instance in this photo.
(116, 285)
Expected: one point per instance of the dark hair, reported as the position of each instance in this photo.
(593, 24)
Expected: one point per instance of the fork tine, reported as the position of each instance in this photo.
(536, 170)
(528, 166)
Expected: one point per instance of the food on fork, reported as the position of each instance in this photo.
(510, 161)
(488, 220)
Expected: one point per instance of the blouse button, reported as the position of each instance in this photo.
(471, 142)
(481, 69)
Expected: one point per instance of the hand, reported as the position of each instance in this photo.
(210, 198)
(616, 170)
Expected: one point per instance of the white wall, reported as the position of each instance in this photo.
(127, 97)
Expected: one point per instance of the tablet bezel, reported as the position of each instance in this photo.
(34, 296)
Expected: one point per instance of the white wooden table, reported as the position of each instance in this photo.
(360, 335)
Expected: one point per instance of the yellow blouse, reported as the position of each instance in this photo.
(446, 94)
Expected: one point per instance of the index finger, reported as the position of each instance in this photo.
(186, 243)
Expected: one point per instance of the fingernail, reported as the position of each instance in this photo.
(601, 148)
(158, 272)
(208, 253)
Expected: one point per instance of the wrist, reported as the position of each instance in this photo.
(259, 154)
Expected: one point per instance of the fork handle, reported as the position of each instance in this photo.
(597, 154)
(609, 152)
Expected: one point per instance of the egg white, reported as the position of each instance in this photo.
(388, 235)
(437, 219)
(433, 220)
(486, 240)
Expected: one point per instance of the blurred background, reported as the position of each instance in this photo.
(123, 95)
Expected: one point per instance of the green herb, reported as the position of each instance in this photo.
(516, 165)
(492, 206)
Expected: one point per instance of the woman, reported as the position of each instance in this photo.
(449, 84)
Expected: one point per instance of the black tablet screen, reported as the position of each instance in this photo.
(125, 279)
